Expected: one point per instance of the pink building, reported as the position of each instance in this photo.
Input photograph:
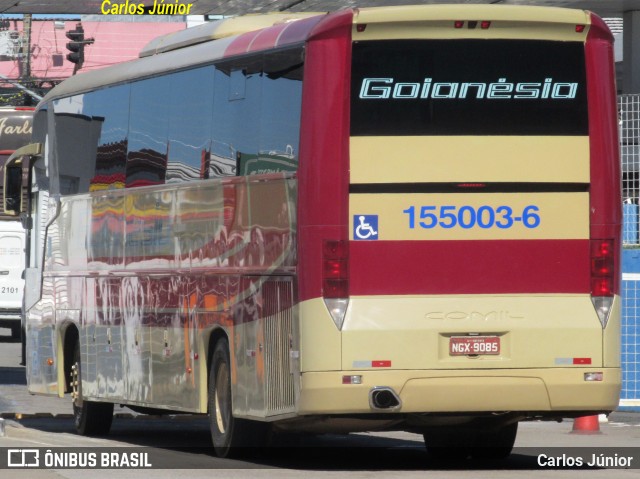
(115, 42)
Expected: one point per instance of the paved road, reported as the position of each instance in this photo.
(183, 442)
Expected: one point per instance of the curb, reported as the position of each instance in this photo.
(47, 415)
(16, 416)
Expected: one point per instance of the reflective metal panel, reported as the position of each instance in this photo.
(155, 271)
(41, 376)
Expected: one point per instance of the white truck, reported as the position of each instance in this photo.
(15, 131)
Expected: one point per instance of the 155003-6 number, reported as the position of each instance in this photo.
(468, 217)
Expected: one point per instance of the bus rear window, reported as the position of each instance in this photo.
(468, 87)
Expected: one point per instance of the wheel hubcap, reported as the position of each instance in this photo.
(220, 398)
(75, 385)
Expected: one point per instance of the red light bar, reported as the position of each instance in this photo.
(471, 185)
(335, 269)
(580, 28)
(381, 363)
(458, 24)
(602, 267)
(581, 360)
(485, 24)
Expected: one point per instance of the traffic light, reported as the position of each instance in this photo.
(76, 45)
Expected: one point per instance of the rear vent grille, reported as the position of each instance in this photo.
(278, 340)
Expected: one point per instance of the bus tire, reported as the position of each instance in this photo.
(231, 437)
(90, 418)
(496, 444)
(16, 331)
(457, 444)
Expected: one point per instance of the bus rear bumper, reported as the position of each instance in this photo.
(562, 390)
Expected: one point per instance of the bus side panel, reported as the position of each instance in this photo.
(101, 308)
(42, 377)
(178, 263)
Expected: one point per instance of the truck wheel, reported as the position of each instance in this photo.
(16, 331)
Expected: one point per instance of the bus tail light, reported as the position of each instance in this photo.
(335, 279)
(602, 277)
(471, 24)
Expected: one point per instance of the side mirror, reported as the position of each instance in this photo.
(12, 202)
(13, 190)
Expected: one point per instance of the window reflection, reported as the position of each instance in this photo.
(240, 116)
(110, 107)
(280, 118)
(236, 114)
(190, 111)
(148, 132)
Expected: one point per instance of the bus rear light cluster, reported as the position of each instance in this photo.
(354, 379)
(335, 264)
(471, 24)
(602, 267)
(486, 24)
(602, 277)
(594, 376)
(335, 278)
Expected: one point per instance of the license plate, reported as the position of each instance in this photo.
(474, 345)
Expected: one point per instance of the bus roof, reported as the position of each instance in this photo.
(219, 29)
(253, 33)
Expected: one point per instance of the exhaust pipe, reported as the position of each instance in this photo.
(384, 398)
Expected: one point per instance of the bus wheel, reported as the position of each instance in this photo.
(16, 330)
(91, 418)
(230, 436)
(456, 444)
(496, 444)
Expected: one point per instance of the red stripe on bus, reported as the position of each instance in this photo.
(241, 44)
(299, 30)
(266, 38)
(323, 174)
(276, 36)
(605, 192)
(469, 267)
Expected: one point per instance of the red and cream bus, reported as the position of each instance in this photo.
(398, 218)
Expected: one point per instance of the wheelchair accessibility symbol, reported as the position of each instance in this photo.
(365, 227)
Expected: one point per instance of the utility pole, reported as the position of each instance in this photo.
(26, 47)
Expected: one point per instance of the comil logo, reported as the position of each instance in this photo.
(23, 458)
(389, 88)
